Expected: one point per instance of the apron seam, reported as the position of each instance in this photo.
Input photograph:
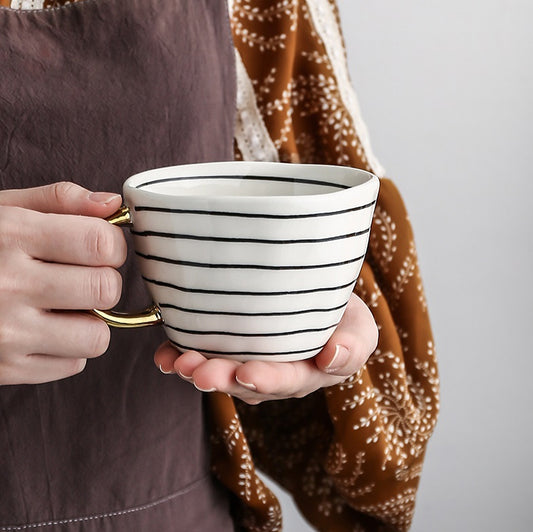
(117, 513)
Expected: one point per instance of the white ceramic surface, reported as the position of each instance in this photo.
(251, 259)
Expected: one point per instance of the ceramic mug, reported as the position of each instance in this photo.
(248, 260)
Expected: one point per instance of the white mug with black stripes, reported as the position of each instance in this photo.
(248, 260)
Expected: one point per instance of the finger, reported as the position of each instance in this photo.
(164, 358)
(65, 334)
(65, 287)
(354, 340)
(186, 363)
(209, 375)
(252, 382)
(282, 379)
(62, 198)
(71, 239)
(37, 369)
(61, 238)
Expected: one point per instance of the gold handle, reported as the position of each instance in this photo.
(120, 217)
(121, 320)
(150, 316)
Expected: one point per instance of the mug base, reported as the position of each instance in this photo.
(266, 358)
(263, 357)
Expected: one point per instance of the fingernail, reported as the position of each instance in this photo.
(202, 390)
(339, 359)
(248, 385)
(165, 372)
(183, 376)
(103, 198)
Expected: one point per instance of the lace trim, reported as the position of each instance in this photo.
(27, 4)
(326, 26)
(251, 134)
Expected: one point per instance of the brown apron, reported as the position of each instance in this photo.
(93, 92)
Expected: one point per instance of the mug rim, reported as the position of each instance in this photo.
(221, 168)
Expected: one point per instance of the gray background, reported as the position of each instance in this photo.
(446, 91)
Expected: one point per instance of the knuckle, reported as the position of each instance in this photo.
(106, 285)
(7, 336)
(16, 286)
(6, 225)
(8, 285)
(10, 223)
(61, 192)
(99, 242)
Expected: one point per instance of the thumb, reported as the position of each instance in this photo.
(337, 359)
(352, 342)
(62, 198)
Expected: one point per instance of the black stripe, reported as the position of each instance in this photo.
(249, 240)
(252, 353)
(263, 314)
(252, 215)
(249, 335)
(245, 178)
(246, 266)
(243, 293)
